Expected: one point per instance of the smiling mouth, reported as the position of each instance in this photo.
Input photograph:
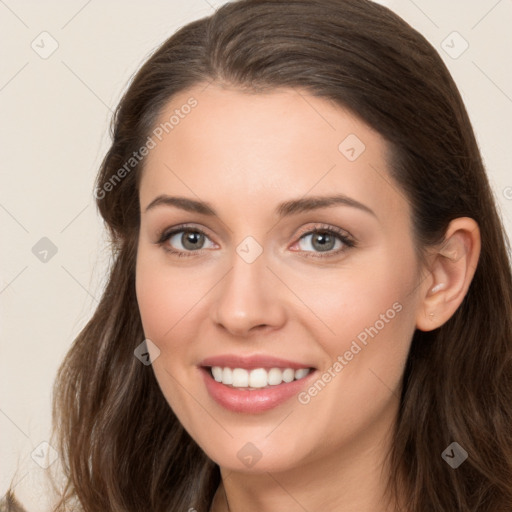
(256, 378)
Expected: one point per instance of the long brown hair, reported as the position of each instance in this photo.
(123, 448)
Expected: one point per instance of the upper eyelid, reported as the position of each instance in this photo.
(302, 232)
(325, 227)
(167, 233)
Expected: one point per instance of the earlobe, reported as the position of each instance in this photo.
(451, 271)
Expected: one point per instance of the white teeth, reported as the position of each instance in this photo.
(256, 378)
(227, 376)
(288, 375)
(217, 373)
(240, 378)
(301, 373)
(275, 376)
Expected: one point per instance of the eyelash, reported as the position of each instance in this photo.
(348, 242)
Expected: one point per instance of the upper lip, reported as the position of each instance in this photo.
(255, 361)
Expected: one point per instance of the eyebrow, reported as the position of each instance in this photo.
(287, 208)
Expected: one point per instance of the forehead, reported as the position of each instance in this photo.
(264, 145)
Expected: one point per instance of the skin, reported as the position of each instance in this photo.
(245, 153)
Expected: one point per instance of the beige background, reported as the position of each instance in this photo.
(54, 133)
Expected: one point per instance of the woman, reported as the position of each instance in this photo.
(310, 302)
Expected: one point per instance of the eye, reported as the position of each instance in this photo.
(182, 240)
(321, 241)
(325, 239)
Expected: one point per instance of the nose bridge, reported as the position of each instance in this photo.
(247, 295)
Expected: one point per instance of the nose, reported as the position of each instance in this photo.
(248, 300)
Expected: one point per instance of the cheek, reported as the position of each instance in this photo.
(157, 307)
(165, 296)
(167, 305)
(373, 323)
(354, 302)
(367, 323)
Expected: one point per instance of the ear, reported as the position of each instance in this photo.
(451, 269)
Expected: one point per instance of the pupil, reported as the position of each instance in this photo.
(190, 238)
(325, 241)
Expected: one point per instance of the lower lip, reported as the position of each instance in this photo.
(255, 400)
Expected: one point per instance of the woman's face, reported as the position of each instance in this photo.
(243, 180)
